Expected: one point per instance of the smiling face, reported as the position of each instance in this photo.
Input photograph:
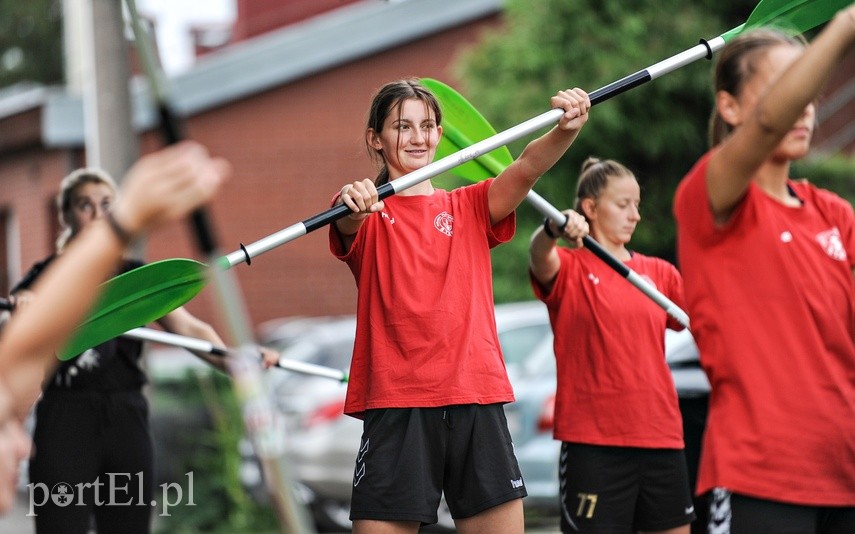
(614, 213)
(408, 138)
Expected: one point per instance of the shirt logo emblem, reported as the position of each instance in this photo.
(443, 223)
(832, 243)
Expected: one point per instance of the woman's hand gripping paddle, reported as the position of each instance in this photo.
(463, 125)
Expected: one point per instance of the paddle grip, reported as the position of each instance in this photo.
(341, 210)
(620, 86)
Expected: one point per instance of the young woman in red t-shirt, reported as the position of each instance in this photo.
(622, 466)
(768, 265)
(427, 373)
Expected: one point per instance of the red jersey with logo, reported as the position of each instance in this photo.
(614, 386)
(426, 329)
(772, 300)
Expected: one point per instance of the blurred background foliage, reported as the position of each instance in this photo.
(31, 42)
(658, 129)
(204, 430)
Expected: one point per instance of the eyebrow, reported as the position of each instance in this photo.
(408, 121)
(87, 197)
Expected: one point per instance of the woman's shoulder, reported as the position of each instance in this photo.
(824, 199)
(478, 188)
(692, 186)
(129, 264)
(35, 271)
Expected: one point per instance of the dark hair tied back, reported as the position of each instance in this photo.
(595, 177)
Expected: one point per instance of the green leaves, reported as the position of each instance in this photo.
(30, 41)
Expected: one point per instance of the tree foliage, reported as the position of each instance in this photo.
(30, 41)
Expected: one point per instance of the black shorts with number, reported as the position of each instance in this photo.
(409, 456)
(623, 489)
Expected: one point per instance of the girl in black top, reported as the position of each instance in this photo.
(92, 420)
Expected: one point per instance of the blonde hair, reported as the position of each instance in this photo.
(595, 177)
(70, 184)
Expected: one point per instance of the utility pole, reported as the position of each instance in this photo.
(98, 68)
(111, 142)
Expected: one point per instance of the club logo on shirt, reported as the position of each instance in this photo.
(443, 223)
(832, 243)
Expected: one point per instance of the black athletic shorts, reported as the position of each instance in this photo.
(409, 456)
(623, 489)
(731, 513)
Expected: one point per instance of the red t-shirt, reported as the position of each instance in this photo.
(425, 328)
(772, 300)
(614, 386)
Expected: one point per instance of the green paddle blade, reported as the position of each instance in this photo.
(136, 298)
(795, 16)
(463, 126)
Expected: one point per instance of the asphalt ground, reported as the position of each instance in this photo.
(17, 522)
